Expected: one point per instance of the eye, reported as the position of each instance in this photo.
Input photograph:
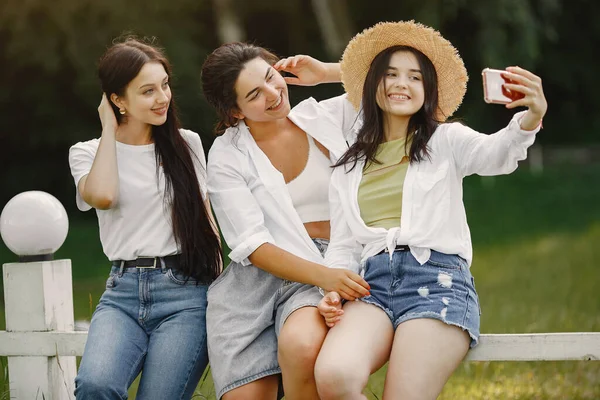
(165, 84)
(149, 91)
(415, 78)
(390, 75)
(269, 77)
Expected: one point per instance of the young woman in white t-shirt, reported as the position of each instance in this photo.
(146, 179)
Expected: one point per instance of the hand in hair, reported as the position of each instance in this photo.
(330, 307)
(529, 85)
(106, 114)
(308, 71)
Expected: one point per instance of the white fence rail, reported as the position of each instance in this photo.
(41, 345)
(493, 347)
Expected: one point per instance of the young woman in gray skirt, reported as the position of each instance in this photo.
(268, 181)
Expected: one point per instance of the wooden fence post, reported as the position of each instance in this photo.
(38, 294)
(39, 298)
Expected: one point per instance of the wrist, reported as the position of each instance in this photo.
(319, 276)
(109, 131)
(334, 73)
(530, 122)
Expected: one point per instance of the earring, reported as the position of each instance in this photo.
(122, 111)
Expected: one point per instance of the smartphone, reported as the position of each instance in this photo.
(494, 91)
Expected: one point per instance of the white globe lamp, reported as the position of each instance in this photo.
(33, 225)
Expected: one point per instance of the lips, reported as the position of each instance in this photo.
(277, 105)
(160, 111)
(398, 97)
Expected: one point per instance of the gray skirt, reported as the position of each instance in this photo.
(247, 308)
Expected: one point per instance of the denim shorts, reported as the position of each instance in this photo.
(247, 308)
(442, 288)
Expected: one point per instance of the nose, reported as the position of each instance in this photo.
(163, 96)
(271, 92)
(401, 82)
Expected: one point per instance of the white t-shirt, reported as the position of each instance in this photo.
(140, 223)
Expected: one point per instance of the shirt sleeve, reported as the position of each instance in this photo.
(343, 250)
(342, 112)
(198, 158)
(239, 216)
(81, 158)
(495, 154)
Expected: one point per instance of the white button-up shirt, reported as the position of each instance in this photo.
(433, 214)
(249, 195)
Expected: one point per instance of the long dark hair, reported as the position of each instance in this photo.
(192, 228)
(420, 126)
(220, 72)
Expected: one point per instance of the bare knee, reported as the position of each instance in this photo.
(299, 348)
(336, 381)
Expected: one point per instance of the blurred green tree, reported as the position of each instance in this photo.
(48, 53)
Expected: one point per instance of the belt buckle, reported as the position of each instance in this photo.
(147, 266)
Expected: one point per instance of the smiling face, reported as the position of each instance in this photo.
(148, 96)
(261, 92)
(400, 92)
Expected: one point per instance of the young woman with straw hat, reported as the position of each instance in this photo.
(398, 192)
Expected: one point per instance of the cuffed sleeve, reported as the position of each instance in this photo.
(239, 215)
(495, 154)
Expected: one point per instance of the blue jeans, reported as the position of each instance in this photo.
(148, 320)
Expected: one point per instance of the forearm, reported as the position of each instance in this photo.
(494, 154)
(286, 265)
(333, 74)
(101, 186)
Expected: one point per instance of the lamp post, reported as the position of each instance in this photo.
(38, 292)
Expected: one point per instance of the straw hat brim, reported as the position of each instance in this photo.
(364, 47)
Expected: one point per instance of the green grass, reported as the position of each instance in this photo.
(535, 250)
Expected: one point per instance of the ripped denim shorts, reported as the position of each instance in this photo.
(442, 288)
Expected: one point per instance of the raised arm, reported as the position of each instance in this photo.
(100, 187)
(308, 71)
(499, 153)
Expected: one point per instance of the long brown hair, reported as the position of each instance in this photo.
(420, 126)
(192, 228)
(220, 72)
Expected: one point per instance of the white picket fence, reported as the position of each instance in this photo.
(41, 344)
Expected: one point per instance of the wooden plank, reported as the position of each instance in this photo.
(493, 347)
(42, 343)
(537, 347)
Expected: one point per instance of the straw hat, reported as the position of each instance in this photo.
(364, 47)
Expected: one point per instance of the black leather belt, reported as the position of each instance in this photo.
(149, 262)
(399, 247)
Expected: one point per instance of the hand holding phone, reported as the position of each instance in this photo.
(494, 91)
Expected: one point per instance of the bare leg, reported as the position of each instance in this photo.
(354, 348)
(424, 355)
(300, 340)
(261, 389)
